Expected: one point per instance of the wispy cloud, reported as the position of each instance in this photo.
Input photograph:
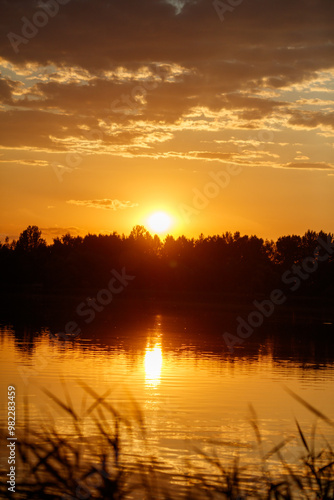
(60, 231)
(105, 204)
(321, 165)
(33, 163)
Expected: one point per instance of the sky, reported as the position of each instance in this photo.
(219, 114)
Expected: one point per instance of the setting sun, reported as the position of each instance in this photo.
(159, 222)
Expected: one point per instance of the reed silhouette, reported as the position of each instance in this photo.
(76, 466)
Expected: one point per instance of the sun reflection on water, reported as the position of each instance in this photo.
(153, 364)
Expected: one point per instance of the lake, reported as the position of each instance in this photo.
(174, 365)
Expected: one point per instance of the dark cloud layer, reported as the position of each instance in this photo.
(99, 34)
(117, 50)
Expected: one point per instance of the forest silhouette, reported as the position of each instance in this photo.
(226, 263)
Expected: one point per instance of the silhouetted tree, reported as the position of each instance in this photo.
(30, 239)
(225, 263)
(289, 250)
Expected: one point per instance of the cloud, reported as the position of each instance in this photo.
(60, 231)
(312, 119)
(105, 204)
(309, 166)
(157, 68)
(124, 30)
(6, 89)
(301, 157)
(29, 162)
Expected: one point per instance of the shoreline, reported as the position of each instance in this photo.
(306, 307)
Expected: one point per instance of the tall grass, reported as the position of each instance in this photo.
(72, 465)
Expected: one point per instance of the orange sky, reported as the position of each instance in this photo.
(110, 111)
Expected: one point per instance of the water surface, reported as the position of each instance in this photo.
(175, 365)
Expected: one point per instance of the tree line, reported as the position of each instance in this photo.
(225, 263)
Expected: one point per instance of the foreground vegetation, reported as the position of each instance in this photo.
(76, 466)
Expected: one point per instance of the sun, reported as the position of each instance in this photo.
(159, 222)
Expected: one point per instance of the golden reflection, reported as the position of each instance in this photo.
(153, 364)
